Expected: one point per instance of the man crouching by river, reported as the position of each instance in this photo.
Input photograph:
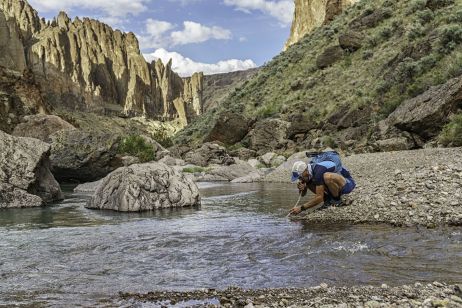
(321, 178)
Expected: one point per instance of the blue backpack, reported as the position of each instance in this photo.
(333, 156)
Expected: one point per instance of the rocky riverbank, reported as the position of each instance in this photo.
(419, 295)
(405, 188)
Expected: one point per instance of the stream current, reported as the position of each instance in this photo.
(66, 255)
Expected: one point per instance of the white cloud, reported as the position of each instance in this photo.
(282, 10)
(194, 32)
(112, 8)
(186, 67)
(159, 34)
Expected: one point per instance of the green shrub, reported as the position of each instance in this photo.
(137, 146)
(451, 135)
(389, 106)
(450, 37)
(163, 137)
(426, 15)
(195, 169)
(416, 30)
(416, 5)
(455, 17)
(386, 33)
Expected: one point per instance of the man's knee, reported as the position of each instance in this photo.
(329, 177)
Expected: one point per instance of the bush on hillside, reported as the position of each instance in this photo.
(137, 146)
(451, 134)
(450, 37)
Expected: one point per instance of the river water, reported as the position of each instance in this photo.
(66, 255)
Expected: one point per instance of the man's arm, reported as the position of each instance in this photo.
(318, 198)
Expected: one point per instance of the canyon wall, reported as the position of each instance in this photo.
(310, 14)
(83, 64)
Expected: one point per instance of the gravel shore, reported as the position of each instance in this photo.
(419, 295)
(408, 188)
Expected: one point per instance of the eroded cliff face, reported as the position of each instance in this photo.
(310, 14)
(86, 65)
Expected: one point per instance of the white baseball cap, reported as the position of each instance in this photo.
(297, 170)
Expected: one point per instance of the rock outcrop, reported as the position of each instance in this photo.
(19, 96)
(41, 126)
(269, 134)
(145, 187)
(426, 114)
(310, 14)
(209, 153)
(25, 177)
(86, 65)
(83, 156)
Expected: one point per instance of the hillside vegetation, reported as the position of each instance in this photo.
(391, 51)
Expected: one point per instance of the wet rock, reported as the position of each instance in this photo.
(25, 177)
(145, 187)
(89, 187)
(255, 176)
(41, 126)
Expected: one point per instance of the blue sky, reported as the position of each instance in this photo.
(208, 35)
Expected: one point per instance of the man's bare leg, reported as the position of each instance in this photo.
(335, 183)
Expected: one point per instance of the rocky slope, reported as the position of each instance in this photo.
(367, 81)
(86, 65)
(406, 188)
(310, 14)
(218, 86)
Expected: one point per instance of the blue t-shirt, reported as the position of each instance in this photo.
(320, 169)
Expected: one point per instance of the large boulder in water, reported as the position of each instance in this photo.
(145, 187)
(25, 177)
(83, 156)
(41, 126)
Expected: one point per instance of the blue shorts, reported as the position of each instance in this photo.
(349, 186)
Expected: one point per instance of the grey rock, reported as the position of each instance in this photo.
(267, 158)
(83, 156)
(25, 176)
(209, 153)
(395, 144)
(89, 187)
(145, 187)
(238, 170)
(329, 56)
(250, 178)
(426, 114)
(41, 126)
(229, 128)
(350, 40)
(268, 135)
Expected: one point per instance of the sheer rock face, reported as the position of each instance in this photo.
(25, 177)
(310, 14)
(11, 47)
(86, 65)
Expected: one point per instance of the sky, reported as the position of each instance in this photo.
(213, 36)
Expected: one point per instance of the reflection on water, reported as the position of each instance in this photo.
(240, 236)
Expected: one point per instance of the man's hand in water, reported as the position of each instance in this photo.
(295, 210)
